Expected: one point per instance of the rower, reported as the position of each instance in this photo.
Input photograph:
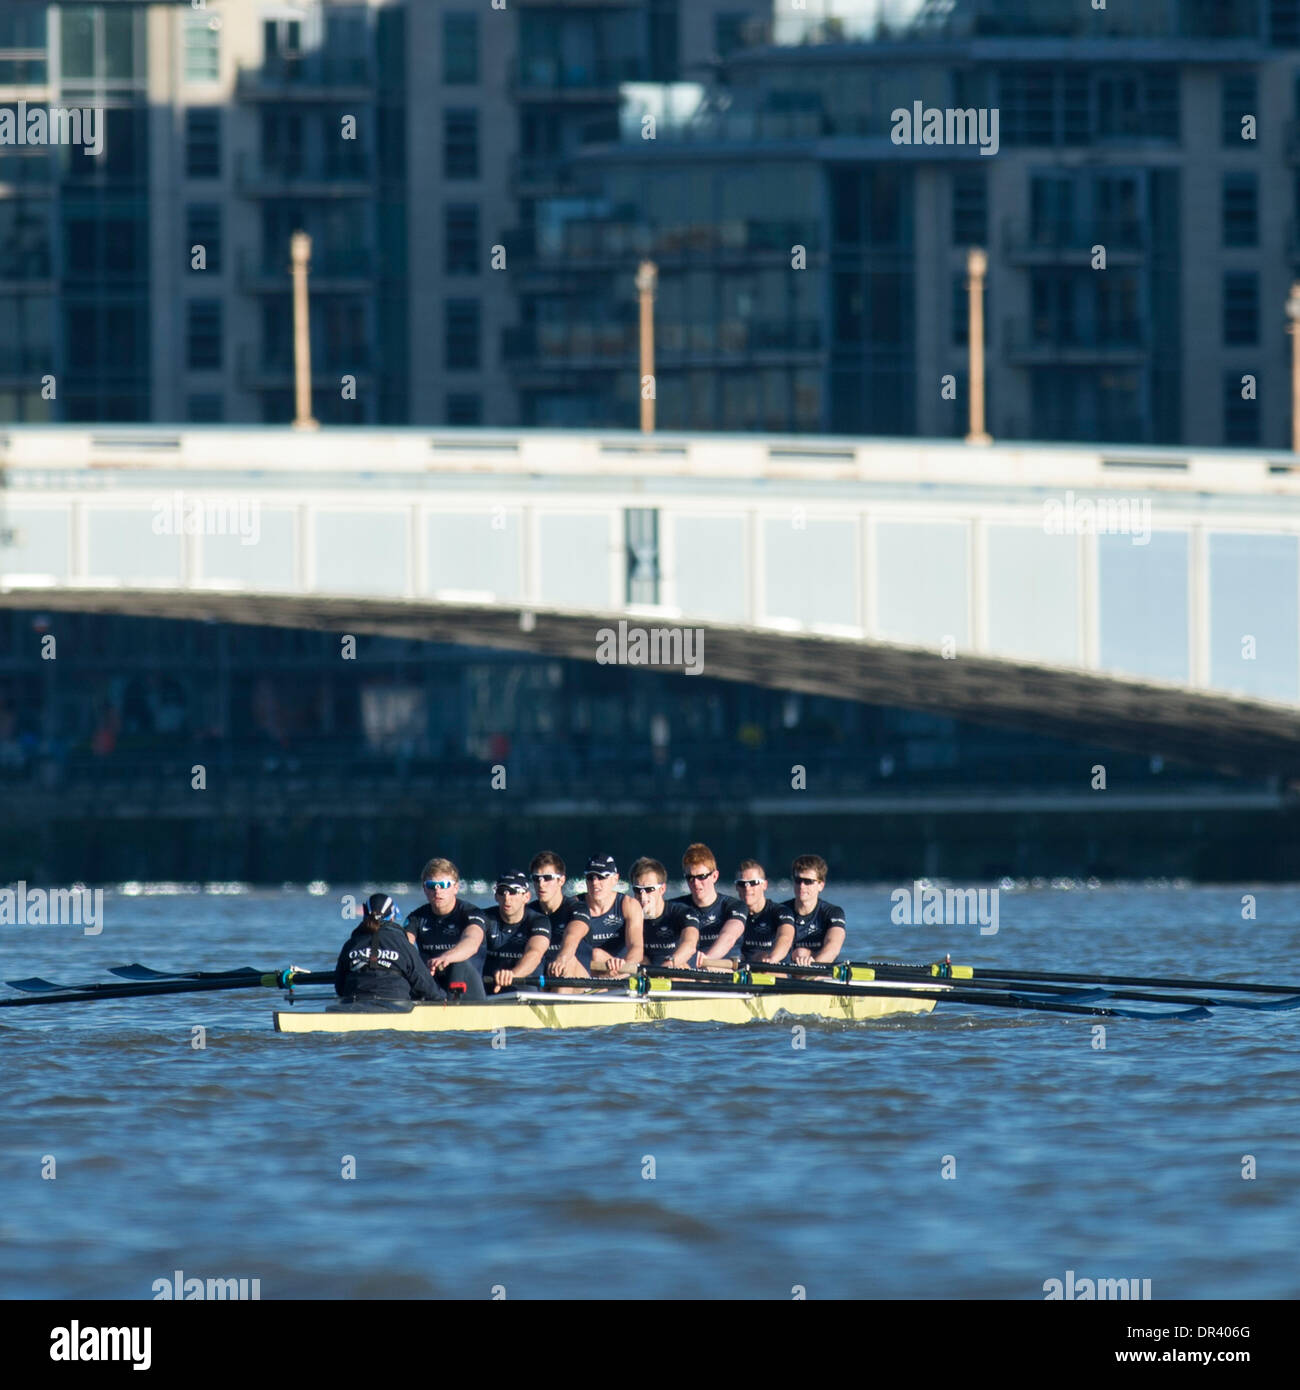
(721, 917)
(769, 927)
(378, 962)
(819, 928)
(614, 919)
(670, 931)
(517, 934)
(448, 934)
(568, 917)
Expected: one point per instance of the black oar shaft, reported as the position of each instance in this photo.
(147, 989)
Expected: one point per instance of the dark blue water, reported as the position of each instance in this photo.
(774, 1167)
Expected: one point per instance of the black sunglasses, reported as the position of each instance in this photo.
(808, 881)
(697, 878)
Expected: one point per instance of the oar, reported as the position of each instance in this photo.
(34, 984)
(281, 979)
(1073, 992)
(947, 971)
(700, 982)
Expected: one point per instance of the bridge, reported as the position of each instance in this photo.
(1136, 598)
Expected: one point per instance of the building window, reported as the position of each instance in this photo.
(1240, 98)
(970, 209)
(202, 48)
(1240, 210)
(204, 409)
(460, 242)
(203, 142)
(203, 335)
(97, 43)
(1025, 96)
(459, 48)
(464, 409)
(460, 144)
(203, 229)
(461, 338)
(729, 32)
(1240, 415)
(1241, 307)
(1284, 23)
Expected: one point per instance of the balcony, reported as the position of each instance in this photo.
(27, 175)
(594, 80)
(609, 345)
(256, 177)
(23, 365)
(1068, 243)
(351, 270)
(590, 243)
(263, 369)
(309, 77)
(1027, 345)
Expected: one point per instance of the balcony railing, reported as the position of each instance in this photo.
(1074, 239)
(542, 75)
(568, 345)
(615, 242)
(271, 368)
(260, 176)
(1053, 343)
(261, 273)
(280, 76)
(20, 359)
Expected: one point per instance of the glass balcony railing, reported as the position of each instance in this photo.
(564, 344)
(327, 263)
(1074, 235)
(1048, 339)
(256, 170)
(308, 70)
(616, 241)
(547, 74)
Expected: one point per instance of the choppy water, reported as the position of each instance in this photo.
(774, 1167)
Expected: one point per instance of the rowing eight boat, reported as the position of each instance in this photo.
(531, 1009)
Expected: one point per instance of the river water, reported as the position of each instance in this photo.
(527, 1169)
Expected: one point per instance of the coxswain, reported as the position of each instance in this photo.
(613, 918)
(448, 934)
(378, 962)
(568, 917)
(819, 928)
(670, 931)
(721, 917)
(517, 934)
(769, 927)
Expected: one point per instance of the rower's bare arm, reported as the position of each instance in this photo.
(686, 944)
(633, 933)
(470, 940)
(565, 962)
(529, 962)
(834, 945)
(727, 940)
(781, 948)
